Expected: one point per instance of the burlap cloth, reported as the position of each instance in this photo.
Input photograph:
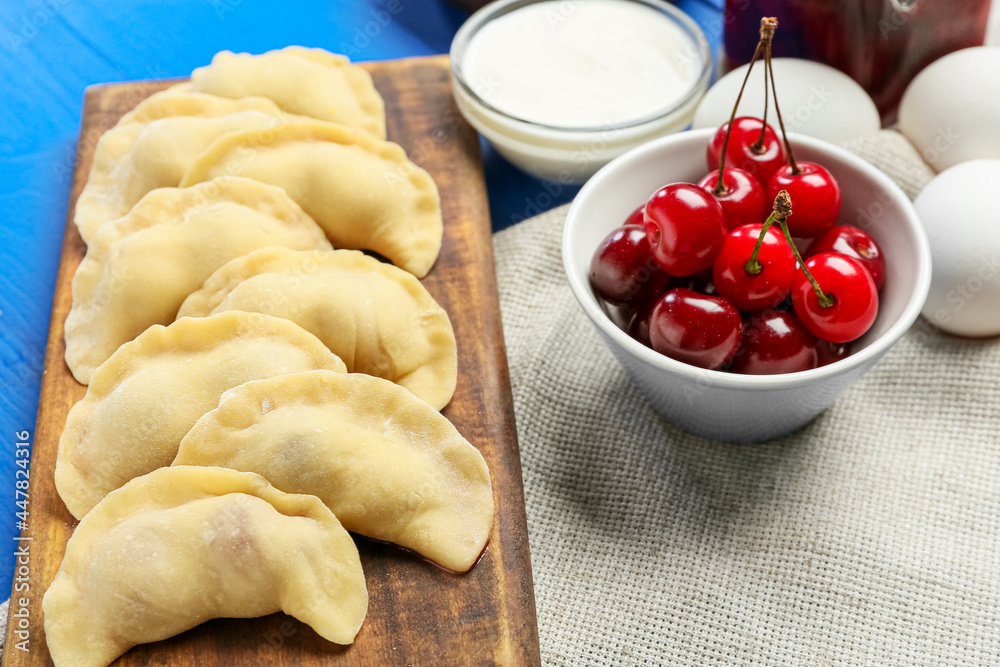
(870, 537)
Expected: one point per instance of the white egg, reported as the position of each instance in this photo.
(815, 99)
(949, 111)
(959, 212)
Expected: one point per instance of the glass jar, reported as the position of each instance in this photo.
(881, 44)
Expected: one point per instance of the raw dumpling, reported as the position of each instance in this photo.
(387, 464)
(153, 145)
(182, 545)
(379, 319)
(363, 192)
(148, 395)
(140, 268)
(310, 82)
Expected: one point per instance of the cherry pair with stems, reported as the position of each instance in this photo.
(754, 267)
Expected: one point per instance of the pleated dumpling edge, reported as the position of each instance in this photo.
(180, 545)
(145, 398)
(305, 81)
(152, 146)
(365, 193)
(378, 318)
(139, 269)
(386, 463)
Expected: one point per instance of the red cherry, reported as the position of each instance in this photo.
(831, 352)
(636, 217)
(743, 200)
(848, 283)
(685, 228)
(740, 152)
(638, 326)
(701, 283)
(623, 271)
(775, 342)
(855, 243)
(815, 198)
(703, 331)
(746, 290)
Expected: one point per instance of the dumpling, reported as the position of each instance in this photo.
(148, 395)
(152, 146)
(363, 192)
(387, 464)
(183, 545)
(379, 319)
(140, 268)
(310, 82)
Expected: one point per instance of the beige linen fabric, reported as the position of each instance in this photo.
(893, 154)
(870, 537)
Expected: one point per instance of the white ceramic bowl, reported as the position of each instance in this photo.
(727, 406)
(571, 155)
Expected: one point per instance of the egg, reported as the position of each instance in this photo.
(815, 99)
(958, 210)
(949, 111)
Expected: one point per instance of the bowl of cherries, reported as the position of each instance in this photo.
(742, 280)
(741, 307)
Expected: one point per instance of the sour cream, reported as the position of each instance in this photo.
(582, 63)
(562, 87)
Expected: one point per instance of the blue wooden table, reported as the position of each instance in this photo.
(50, 50)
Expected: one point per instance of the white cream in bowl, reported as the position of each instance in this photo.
(580, 64)
(562, 87)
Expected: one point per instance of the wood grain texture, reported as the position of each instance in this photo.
(418, 614)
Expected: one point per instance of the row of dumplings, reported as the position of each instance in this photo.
(236, 359)
(208, 171)
(184, 543)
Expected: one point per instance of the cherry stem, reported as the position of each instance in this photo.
(766, 32)
(758, 146)
(783, 209)
(769, 71)
(753, 266)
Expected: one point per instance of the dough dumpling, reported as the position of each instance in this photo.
(140, 268)
(310, 82)
(153, 145)
(363, 192)
(386, 463)
(183, 545)
(379, 319)
(148, 395)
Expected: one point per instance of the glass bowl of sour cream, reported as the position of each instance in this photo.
(562, 87)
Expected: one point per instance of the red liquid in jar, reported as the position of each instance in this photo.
(881, 44)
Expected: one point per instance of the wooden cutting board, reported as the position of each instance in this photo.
(418, 614)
